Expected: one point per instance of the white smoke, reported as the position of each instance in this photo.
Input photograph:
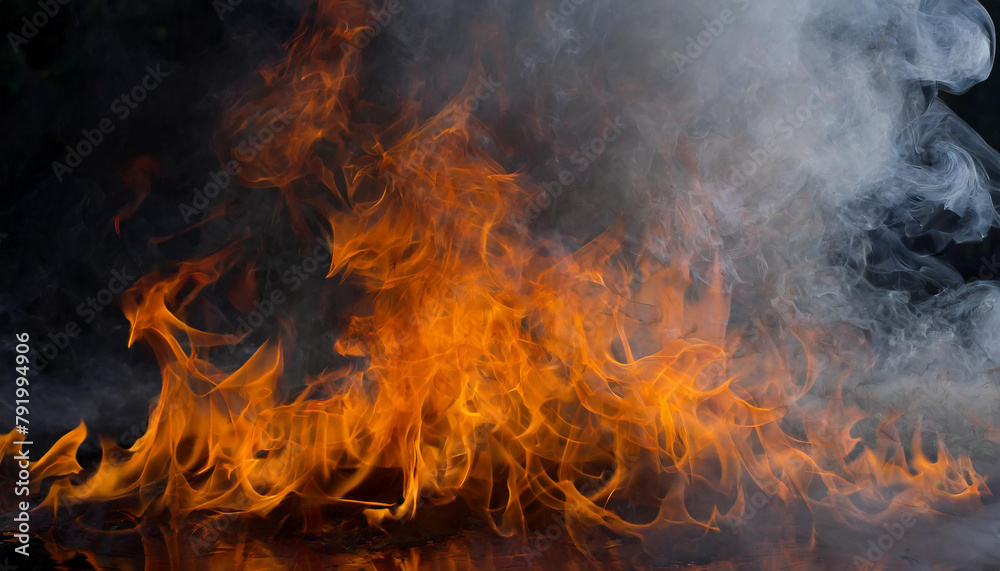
(815, 128)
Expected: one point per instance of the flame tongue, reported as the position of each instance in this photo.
(491, 367)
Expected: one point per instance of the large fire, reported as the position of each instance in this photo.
(489, 368)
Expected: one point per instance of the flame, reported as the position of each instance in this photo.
(488, 367)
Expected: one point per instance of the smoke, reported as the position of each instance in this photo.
(835, 176)
(835, 173)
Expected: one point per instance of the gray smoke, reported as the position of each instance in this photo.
(815, 129)
(818, 133)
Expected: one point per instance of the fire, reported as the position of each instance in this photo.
(489, 368)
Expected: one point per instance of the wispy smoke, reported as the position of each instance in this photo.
(834, 171)
(816, 129)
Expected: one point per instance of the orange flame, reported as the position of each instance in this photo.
(490, 368)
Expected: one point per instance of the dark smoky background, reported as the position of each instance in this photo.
(58, 239)
(59, 245)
